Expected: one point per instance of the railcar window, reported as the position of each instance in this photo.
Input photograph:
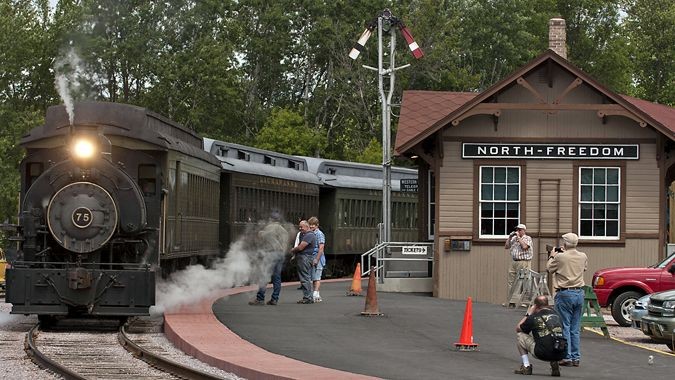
(269, 161)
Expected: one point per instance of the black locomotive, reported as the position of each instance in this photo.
(121, 196)
(103, 200)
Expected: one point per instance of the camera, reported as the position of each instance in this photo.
(550, 248)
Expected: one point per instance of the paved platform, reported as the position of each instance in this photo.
(414, 339)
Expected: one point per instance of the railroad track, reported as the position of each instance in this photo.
(103, 355)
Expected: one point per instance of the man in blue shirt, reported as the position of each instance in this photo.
(319, 259)
(304, 254)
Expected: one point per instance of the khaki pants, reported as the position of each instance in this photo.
(513, 270)
(526, 342)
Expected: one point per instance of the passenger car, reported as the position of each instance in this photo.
(639, 311)
(619, 288)
(659, 323)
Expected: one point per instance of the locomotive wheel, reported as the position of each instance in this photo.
(82, 217)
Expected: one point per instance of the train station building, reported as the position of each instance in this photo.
(549, 147)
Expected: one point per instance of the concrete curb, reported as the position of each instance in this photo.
(195, 330)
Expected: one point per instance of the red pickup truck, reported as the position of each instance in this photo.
(619, 288)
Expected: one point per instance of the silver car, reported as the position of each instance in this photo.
(659, 323)
(639, 310)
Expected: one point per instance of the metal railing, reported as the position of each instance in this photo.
(385, 254)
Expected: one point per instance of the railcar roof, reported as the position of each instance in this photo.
(121, 120)
(336, 173)
(245, 159)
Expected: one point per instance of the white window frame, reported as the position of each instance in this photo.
(605, 202)
(481, 201)
(431, 205)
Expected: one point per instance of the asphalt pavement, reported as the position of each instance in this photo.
(415, 337)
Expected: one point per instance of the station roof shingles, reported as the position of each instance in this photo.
(424, 112)
(422, 109)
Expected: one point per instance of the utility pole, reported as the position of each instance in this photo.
(385, 22)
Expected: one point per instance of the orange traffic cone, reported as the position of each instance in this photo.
(466, 338)
(371, 309)
(355, 289)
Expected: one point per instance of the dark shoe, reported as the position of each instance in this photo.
(575, 363)
(256, 302)
(565, 363)
(272, 302)
(305, 301)
(300, 287)
(523, 370)
(555, 369)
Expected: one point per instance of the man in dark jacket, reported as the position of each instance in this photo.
(546, 341)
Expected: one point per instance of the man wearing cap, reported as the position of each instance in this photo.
(520, 246)
(567, 268)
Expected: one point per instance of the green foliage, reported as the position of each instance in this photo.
(285, 131)
(15, 124)
(372, 154)
(276, 73)
(596, 44)
(650, 27)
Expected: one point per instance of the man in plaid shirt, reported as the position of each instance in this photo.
(520, 246)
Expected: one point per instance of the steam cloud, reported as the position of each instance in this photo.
(69, 72)
(249, 261)
(6, 319)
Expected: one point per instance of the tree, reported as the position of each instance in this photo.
(285, 131)
(650, 27)
(596, 44)
(372, 154)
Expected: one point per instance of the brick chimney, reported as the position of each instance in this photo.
(557, 36)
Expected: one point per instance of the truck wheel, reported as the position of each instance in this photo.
(670, 345)
(622, 306)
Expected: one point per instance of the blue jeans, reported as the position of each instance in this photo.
(276, 282)
(305, 267)
(569, 304)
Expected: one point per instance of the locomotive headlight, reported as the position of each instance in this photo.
(83, 148)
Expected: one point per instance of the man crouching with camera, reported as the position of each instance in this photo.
(546, 342)
(519, 245)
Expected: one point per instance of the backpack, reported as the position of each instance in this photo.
(559, 342)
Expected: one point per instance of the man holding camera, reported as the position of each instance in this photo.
(567, 268)
(520, 246)
(546, 342)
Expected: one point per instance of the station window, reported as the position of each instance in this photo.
(431, 224)
(499, 200)
(599, 202)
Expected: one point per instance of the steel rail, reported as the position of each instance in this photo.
(158, 361)
(43, 361)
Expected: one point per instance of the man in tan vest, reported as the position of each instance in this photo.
(567, 268)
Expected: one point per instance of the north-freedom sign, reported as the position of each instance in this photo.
(552, 151)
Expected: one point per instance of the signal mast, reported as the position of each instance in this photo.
(384, 22)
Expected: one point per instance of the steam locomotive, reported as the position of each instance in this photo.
(101, 200)
(121, 196)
